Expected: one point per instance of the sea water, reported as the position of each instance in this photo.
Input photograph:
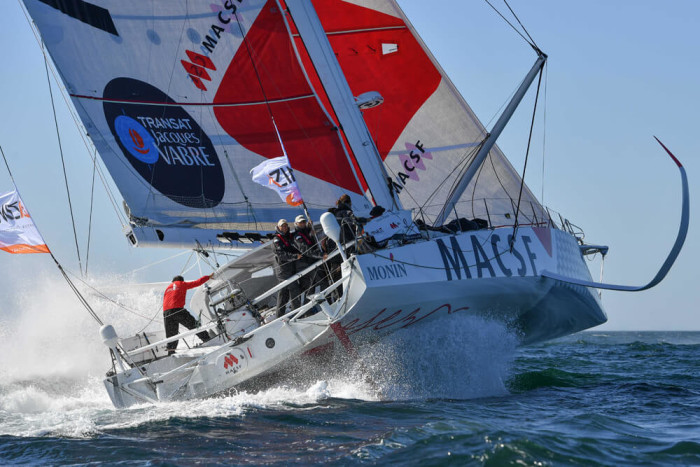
(463, 394)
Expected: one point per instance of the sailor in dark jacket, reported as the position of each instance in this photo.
(346, 218)
(306, 242)
(287, 257)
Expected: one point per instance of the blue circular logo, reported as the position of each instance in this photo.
(163, 143)
(136, 139)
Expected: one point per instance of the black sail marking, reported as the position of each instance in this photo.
(94, 15)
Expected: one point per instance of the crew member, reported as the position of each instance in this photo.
(348, 225)
(174, 312)
(370, 243)
(346, 218)
(287, 256)
(306, 243)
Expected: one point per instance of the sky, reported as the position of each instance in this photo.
(618, 73)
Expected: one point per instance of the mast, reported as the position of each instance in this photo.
(491, 138)
(341, 98)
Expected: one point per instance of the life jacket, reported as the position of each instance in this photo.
(284, 240)
(305, 238)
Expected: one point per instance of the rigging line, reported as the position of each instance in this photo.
(149, 186)
(63, 162)
(252, 62)
(108, 190)
(466, 162)
(249, 206)
(161, 261)
(461, 168)
(204, 256)
(527, 154)
(158, 311)
(109, 299)
(500, 109)
(266, 102)
(313, 95)
(179, 43)
(82, 299)
(493, 166)
(151, 319)
(421, 207)
(92, 199)
(490, 158)
(8, 167)
(521, 25)
(182, 271)
(248, 48)
(330, 112)
(408, 192)
(495, 172)
(456, 181)
(511, 25)
(195, 263)
(216, 259)
(269, 108)
(476, 180)
(544, 130)
(208, 211)
(121, 216)
(469, 155)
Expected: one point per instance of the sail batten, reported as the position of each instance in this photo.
(194, 104)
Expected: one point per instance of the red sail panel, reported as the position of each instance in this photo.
(316, 84)
(266, 72)
(363, 40)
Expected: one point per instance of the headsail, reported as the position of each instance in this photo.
(424, 130)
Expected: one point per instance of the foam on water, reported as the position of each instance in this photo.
(462, 357)
(51, 334)
(52, 363)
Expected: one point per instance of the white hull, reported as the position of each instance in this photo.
(385, 291)
(392, 294)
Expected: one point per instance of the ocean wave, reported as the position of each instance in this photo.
(550, 377)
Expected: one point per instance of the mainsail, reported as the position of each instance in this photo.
(182, 99)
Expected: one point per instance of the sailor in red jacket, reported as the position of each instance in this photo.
(174, 312)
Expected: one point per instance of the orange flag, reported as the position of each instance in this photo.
(18, 234)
